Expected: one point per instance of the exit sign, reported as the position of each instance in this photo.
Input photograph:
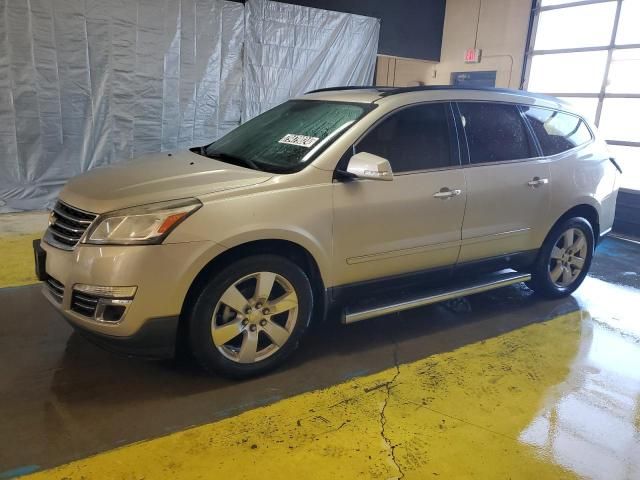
(472, 55)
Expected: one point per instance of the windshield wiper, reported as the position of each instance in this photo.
(230, 158)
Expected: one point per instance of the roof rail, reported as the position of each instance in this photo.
(389, 91)
(351, 87)
(420, 88)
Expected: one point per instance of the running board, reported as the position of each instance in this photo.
(437, 295)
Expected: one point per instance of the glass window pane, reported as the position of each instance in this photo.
(546, 3)
(628, 31)
(629, 160)
(584, 106)
(580, 72)
(624, 71)
(285, 137)
(556, 132)
(495, 132)
(619, 119)
(585, 26)
(415, 138)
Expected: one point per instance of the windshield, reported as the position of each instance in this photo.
(286, 138)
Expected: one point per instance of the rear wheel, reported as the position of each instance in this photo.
(564, 259)
(250, 316)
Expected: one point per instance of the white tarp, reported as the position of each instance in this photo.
(291, 49)
(86, 83)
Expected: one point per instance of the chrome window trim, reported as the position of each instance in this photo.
(428, 170)
(540, 157)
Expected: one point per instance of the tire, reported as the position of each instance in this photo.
(239, 332)
(559, 271)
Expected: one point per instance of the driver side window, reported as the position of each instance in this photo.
(413, 138)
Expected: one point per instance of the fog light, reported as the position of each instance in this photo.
(113, 313)
(108, 292)
(103, 304)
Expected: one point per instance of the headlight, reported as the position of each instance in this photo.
(141, 225)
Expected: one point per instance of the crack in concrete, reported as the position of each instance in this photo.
(383, 418)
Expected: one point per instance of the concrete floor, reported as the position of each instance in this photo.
(62, 399)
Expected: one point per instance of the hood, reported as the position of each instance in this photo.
(154, 178)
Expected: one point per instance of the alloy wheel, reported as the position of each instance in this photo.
(568, 257)
(254, 317)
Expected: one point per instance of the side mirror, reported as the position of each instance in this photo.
(370, 166)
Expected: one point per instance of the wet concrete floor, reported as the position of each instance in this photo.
(62, 399)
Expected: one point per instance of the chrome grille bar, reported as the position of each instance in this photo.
(69, 216)
(56, 289)
(67, 225)
(84, 304)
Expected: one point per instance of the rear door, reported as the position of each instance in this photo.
(508, 191)
(413, 222)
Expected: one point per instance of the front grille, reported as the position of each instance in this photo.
(67, 225)
(56, 289)
(84, 303)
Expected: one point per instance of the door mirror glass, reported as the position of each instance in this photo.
(368, 165)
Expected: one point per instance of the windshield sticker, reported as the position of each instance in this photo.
(299, 140)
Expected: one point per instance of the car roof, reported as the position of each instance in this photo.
(375, 94)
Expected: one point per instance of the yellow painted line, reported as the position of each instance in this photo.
(17, 264)
(452, 415)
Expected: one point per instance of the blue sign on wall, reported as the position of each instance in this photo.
(474, 79)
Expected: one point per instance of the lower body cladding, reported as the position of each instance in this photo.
(125, 298)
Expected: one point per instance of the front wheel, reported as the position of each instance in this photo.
(564, 259)
(250, 316)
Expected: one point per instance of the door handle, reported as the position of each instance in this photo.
(446, 193)
(537, 181)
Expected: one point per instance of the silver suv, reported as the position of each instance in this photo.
(371, 200)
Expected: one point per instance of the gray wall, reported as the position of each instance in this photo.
(627, 220)
(409, 28)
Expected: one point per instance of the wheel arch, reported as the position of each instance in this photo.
(586, 211)
(285, 248)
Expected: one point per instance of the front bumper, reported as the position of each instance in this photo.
(155, 339)
(161, 273)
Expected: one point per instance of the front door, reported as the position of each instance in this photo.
(413, 222)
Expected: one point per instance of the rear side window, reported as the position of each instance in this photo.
(414, 138)
(556, 131)
(495, 132)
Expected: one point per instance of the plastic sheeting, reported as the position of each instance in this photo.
(292, 49)
(86, 83)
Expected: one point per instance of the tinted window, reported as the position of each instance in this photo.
(495, 132)
(557, 132)
(414, 138)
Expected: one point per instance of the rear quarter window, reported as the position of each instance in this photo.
(557, 131)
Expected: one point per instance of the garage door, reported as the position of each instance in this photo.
(588, 53)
